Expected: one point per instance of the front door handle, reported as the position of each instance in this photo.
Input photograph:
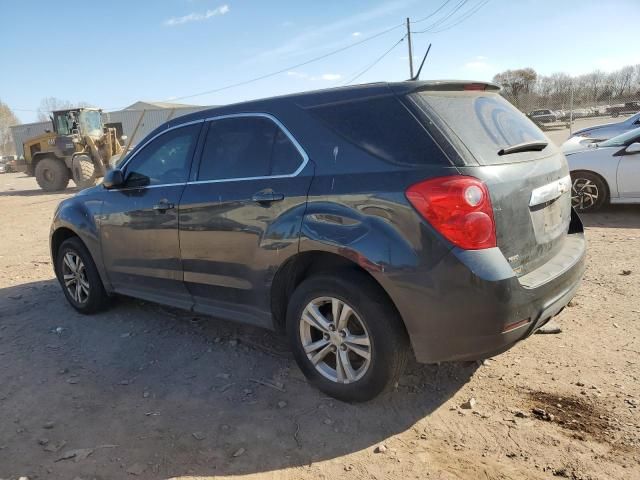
(267, 197)
(163, 206)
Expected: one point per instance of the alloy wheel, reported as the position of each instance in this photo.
(335, 340)
(584, 194)
(75, 277)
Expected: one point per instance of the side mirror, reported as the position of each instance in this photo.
(633, 148)
(113, 179)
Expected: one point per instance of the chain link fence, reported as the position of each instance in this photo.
(561, 101)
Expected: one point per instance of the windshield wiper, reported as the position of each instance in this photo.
(535, 146)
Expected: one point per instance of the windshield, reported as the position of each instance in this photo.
(485, 122)
(622, 140)
(91, 123)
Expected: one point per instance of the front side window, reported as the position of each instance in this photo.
(166, 159)
(246, 147)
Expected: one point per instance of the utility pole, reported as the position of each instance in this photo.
(410, 49)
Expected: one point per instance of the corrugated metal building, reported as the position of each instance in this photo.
(155, 114)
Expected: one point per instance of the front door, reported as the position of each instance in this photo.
(139, 222)
(629, 174)
(240, 219)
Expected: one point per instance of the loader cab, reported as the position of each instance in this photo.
(78, 121)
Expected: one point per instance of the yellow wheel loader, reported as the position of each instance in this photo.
(79, 148)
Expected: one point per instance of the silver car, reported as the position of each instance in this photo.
(609, 130)
(606, 171)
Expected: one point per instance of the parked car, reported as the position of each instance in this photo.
(543, 116)
(366, 222)
(604, 132)
(628, 107)
(606, 172)
(7, 164)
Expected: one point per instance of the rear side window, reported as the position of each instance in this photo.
(247, 147)
(485, 122)
(384, 127)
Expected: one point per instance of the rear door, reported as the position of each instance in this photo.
(139, 221)
(240, 219)
(530, 190)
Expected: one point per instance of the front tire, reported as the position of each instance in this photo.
(79, 278)
(84, 171)
(346, 337)
(52, 174)
(589, 191)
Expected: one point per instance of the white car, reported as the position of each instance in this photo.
(606, 171)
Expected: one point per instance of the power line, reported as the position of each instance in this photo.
(369, 67)
(313, 60)
(463, 17)
(445, 18)
(291, 67)
(432, 13)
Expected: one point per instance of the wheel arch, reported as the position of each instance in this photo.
(305, 264)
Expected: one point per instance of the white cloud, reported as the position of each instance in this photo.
(478, 64)
(328, 77)
(356, 34)
(297, 74)
(197, 17)
(610, 64)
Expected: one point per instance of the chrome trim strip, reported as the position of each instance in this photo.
(550, 191)
(301, 151)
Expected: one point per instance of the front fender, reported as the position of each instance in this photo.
(80, 216)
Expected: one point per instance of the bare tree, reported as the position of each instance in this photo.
(7, 119)
(50, 104)
(516, 83)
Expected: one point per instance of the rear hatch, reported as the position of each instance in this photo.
(529, 186)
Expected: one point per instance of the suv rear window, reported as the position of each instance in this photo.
(485, 122)
(383, 127)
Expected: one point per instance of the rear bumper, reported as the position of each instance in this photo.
(472, 306)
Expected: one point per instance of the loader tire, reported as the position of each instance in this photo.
(52, 174)
(84, 171)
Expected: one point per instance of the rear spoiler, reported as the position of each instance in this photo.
(455, 86)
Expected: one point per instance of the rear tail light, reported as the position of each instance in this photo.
(459, 207)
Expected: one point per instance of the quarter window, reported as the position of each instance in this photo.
(246, 147)
(167, 159)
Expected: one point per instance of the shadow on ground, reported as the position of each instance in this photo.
(173, 394)
(613, 216)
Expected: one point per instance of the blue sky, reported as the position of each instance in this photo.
(112, 54)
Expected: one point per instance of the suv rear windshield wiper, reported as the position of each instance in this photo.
(534, 146)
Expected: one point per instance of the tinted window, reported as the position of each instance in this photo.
(485, 122)
(167, 159)
(383, 127)
(285, 157)
(246, 147)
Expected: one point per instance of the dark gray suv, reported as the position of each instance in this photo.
(367, 222)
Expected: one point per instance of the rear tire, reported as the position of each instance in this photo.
(79, 278)
(589, 191)
(52, 174)
(368, 339)
(84, 171)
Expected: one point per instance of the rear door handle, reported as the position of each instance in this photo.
(267, 197)
(163, 206)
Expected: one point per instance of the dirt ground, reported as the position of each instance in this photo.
(145, 392)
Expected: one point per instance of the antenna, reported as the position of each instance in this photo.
(417, 75)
